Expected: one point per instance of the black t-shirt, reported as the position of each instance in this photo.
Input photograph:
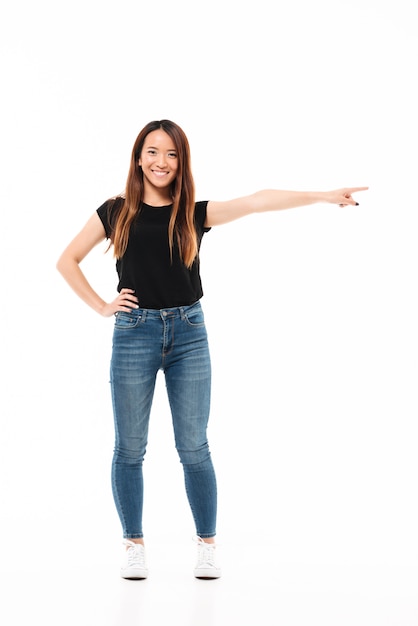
(146, 267)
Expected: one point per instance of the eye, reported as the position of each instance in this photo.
(172, 155)
(150, 151)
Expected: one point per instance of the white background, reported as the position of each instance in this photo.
(311, 313)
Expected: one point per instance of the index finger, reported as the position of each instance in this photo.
(354, 189)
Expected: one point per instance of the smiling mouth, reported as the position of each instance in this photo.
(159, 173)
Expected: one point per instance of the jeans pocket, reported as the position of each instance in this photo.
(126, 321)
(194, 317)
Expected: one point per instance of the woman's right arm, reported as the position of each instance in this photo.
(69, 267)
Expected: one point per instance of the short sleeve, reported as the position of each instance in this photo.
(107, 213)
(200, 215)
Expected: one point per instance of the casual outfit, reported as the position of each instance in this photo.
(146, 267)
(167, 332)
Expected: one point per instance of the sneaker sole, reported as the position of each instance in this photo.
(134, 575)
(206, 574)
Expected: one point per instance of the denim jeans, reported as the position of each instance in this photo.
(173, 340)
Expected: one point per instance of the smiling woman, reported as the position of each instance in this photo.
(159, 163)
(156, 229)
(160, 174)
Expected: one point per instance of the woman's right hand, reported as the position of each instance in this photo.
(126, 301)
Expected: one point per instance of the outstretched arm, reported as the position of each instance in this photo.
(275, 200)
(69, 267)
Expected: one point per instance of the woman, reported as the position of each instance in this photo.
(156, 228)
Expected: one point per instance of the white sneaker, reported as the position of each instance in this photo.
(205, 566)
(134, 565)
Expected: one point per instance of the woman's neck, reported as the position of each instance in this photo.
(157, 199)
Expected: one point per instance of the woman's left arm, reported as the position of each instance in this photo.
(274, 200)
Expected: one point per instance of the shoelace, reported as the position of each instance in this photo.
(205, 553)
(135, 554)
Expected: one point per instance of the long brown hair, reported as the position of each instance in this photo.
(182, 224)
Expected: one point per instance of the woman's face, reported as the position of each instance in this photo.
(159, 161)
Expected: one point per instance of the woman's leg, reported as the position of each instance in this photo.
(134, 367)
(187, 370)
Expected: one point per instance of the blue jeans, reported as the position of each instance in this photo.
(173, 340)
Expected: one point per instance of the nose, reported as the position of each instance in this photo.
(161, 160)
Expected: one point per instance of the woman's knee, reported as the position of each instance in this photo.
(129, 455)
(195, 458)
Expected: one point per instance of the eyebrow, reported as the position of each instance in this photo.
(155, 148)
